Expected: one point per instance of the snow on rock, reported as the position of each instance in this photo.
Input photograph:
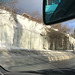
(26, 32)
(17, 30)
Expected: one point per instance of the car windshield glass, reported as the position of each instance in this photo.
(27, 44)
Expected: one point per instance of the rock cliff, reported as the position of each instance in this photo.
(26, 32)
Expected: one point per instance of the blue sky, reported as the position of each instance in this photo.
(70, 23)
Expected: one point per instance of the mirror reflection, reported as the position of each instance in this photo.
(50, 7)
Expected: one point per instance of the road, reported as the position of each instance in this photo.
(21, 60)
(53, 65)
(65, 63)
(34, 64)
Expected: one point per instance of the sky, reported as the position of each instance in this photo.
(70, 23)
(29, 6)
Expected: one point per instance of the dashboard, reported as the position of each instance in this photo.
(40, 72)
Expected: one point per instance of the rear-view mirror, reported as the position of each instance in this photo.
(55, 11)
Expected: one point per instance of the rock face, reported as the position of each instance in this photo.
(72, 42)
(16, 30)
(25, 32)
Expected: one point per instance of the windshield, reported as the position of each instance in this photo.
(27, 44)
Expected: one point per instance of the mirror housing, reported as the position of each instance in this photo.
(56, 11)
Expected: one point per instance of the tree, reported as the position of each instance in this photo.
(73, 34)
(57, 40)
(37, 15)
(11, 3)
(66, 29)
(74, 31)
(8, 5)
(57, 26)
(62, 28)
